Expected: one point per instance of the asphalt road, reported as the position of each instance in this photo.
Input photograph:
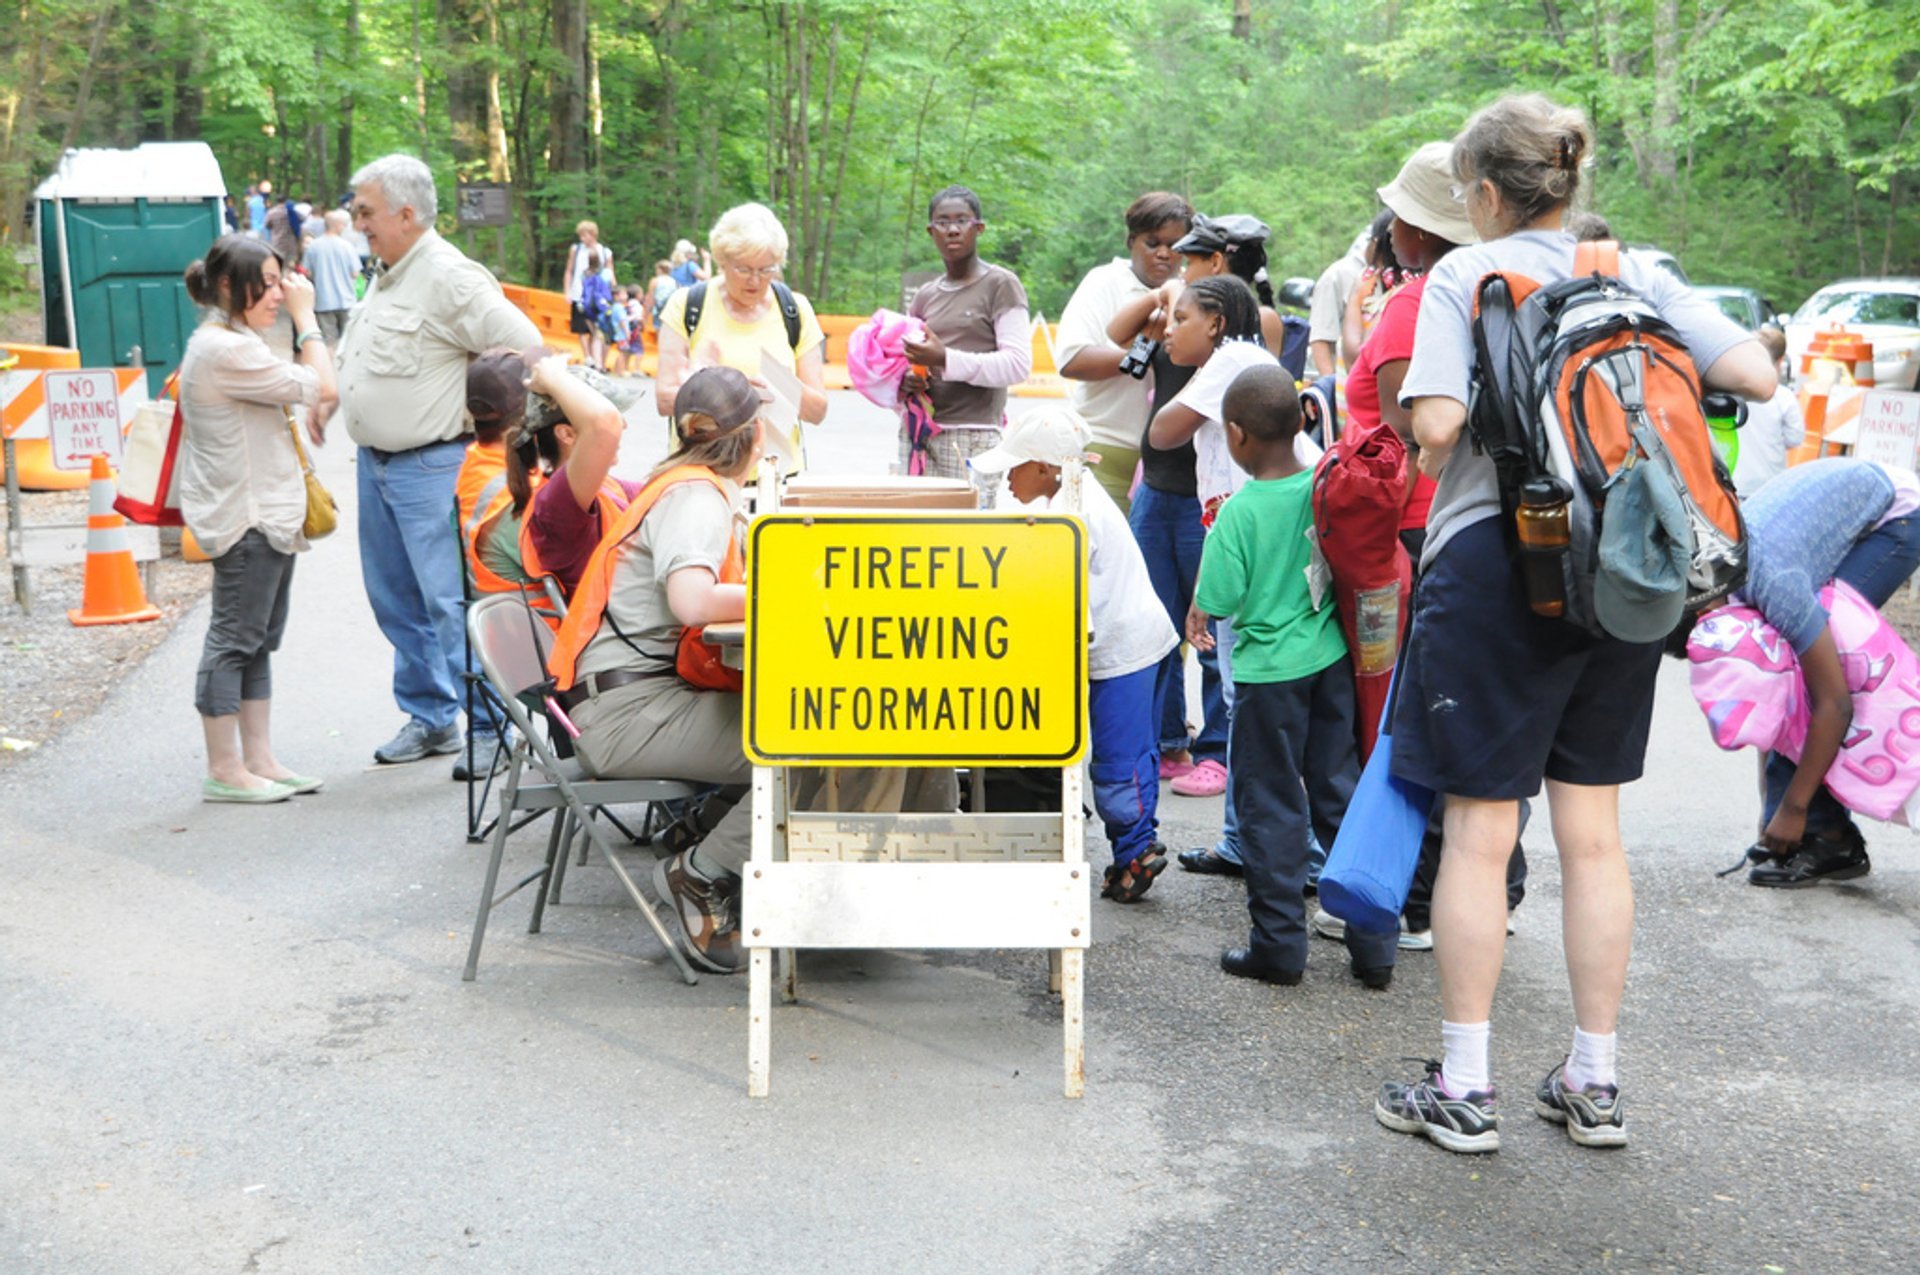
(236, 1040)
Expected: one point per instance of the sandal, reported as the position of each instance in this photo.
(1129, 882)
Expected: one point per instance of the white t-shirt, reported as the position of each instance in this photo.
(1115, 408)
(1130, 627)
(1773, 428)
(1215, 475)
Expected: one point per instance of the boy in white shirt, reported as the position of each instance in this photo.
(1131, 634)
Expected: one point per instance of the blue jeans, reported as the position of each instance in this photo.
(1876, 566)
(410, 561)
(1168, 531)
(1124, 762)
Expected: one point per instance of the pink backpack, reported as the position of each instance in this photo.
(1747, 681)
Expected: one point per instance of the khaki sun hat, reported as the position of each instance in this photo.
(1422, 195)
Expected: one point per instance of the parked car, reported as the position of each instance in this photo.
(1743, 305)
(1884, 311)
(1659, 257)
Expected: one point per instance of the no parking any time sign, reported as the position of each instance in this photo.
(916, 639)
(83, 417)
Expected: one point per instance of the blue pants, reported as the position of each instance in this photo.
(1168, 531)
(410, 560)
(1125, 761)
(1876, 566)
(1297, 765)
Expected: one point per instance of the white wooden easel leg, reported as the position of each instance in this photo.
(1072, 965)
(759, 1026)
(789, 972)
(1053, 971)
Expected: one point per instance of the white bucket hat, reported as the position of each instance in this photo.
(1422, 195)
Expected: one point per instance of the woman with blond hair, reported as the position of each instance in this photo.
(1493, 698)
(751, 315)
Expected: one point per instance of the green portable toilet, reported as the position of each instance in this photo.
(117, 230)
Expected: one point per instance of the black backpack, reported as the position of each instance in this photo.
(789, 310)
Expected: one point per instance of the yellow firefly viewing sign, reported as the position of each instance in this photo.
(916, 639)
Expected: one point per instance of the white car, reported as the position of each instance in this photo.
(1884, 311)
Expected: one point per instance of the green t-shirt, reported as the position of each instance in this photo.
(1254, 569)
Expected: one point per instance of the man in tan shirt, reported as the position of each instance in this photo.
(403, 375)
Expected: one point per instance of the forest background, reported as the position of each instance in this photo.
(1768, 144)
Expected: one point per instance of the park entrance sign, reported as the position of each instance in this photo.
(917, 639)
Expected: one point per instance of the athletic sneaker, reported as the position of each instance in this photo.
(1412, 940)
(708, 913)
(1467, 1124)
(1594, 1116)
(1329, 926)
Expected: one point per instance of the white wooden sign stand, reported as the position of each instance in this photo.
(918, 881)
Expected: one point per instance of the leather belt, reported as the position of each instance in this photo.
(383, 455)
(600, 683)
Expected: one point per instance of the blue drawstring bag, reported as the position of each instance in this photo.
(1371, 866)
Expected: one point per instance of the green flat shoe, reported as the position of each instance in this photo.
(301, 785)
(214, 790)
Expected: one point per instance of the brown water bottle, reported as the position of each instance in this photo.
(1545, 541)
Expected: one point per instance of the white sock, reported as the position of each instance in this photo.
(1464, 1067)
(1592, 1060)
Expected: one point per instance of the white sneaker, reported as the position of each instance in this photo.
(1328, 926)
(1422, 940)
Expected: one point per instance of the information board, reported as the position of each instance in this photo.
(916, 639)
(83, 417)
(1889, 429)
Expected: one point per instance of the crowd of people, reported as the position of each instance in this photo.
(1186, 405)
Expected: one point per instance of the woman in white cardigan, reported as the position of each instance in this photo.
(243, 496)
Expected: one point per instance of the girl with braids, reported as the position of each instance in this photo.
(669, 563)
(1237, 245)
(1494, 699)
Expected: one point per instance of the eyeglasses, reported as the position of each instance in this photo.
(954, 223)
(755, 272)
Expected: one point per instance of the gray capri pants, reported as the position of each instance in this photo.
(250, 586)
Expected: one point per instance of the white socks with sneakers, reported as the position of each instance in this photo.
(1464, 1065)
(1592, 1060)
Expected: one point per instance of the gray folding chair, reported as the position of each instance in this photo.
(513, 648)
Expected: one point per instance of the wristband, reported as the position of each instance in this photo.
(301, 338)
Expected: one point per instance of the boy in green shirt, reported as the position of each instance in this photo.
(1294, 705)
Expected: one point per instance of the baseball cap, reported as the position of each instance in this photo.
(497, 383)
(1422, 195)
(1216, 234)
(1646, 546)
(1051, 435)
(730, 400)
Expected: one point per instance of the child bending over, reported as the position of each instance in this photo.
(1131, 635)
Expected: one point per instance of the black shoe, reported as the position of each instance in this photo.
(1207, 862)
(1842, 858)
(1376, 978)
(1241, 963)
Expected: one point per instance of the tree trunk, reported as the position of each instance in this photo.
(1242, 19)
(1664, 123)
(840, 167)
(83, 94)
(567, 120)
(343, 126)
(17, 161)
(498, 167)
(420, 88)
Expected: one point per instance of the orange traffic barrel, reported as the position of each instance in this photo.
(112, 592)
(1834, 359)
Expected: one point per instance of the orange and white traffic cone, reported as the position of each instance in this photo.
(112, 593)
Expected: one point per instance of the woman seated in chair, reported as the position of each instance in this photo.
(668, 563)
(514, 529)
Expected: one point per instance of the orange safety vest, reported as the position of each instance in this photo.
(589, 602)
(481, 493)
(608, 503)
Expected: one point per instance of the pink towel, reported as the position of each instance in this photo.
(1747, 681)
(877, 363)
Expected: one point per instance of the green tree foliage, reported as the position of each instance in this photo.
(1769, 144)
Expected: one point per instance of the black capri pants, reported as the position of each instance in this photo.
(250, 586)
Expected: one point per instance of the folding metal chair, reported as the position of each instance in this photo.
(476, 693)
(513, 647)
